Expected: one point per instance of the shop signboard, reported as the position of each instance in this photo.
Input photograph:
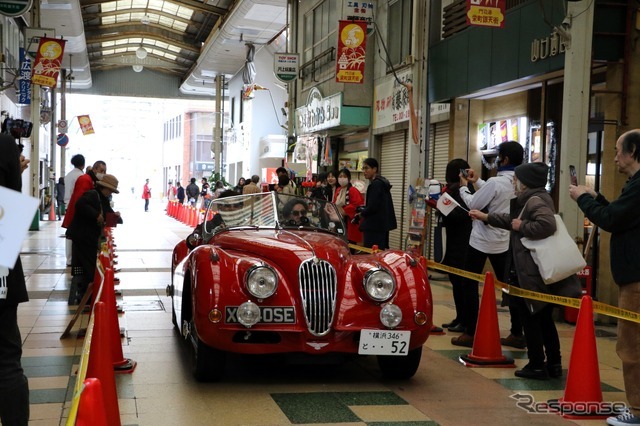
(391, 100)
(285, 66)
(359, 11)
(14, 7)
(319, 113)
(486, 13)
(24, 79)
(352, 49)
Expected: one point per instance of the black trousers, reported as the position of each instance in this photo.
(379, 238)
(540, 333)
(474, 262)
(14, 388)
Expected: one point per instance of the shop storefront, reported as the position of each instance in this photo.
(331, 136)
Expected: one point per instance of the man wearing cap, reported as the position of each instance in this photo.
(85, 229)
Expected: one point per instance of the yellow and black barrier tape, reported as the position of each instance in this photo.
(598, 307)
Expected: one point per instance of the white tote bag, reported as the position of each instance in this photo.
(556, 256)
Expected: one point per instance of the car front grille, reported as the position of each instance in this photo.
(318, 287)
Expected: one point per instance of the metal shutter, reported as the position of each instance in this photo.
(439, 143)
(393, 160)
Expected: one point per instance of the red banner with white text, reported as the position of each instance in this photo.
(352, 48)
(48, 60)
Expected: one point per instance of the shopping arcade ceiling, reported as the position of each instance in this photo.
(191, 40)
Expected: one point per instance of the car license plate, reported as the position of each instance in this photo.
(384, 342)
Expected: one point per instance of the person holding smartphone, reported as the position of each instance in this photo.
(620, 217)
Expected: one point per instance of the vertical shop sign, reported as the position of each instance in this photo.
(359, 11)
(391, 99)
(351, 52)
(48, 60)
(24, 79)
(486, 13)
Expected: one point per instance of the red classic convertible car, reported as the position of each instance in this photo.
(271, 274)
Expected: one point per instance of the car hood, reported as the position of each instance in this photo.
(283, 246)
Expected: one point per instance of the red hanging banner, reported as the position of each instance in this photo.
(85, 125)
(352, 47)
(48, 60)
(486, 13)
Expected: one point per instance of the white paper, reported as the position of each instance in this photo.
(16, 214)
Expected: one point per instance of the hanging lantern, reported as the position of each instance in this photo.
(137, 68)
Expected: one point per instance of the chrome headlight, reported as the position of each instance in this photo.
(391, 315)
(262, 281)
(379, 285)
(248, 314)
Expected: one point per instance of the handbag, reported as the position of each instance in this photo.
(556, 256)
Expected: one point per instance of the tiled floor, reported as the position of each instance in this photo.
(259, 390)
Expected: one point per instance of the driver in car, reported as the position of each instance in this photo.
(295, 212)
(196, 237)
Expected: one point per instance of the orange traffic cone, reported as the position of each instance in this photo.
(91, 409)
(100, 365)
(487, 351)
(52, 212)
(120, 363)
(583, 392)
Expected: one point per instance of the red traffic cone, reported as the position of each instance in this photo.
(120, 363)
(487, 351)
(91, 409)
(52, 212)
(583, 392)
(100, 365)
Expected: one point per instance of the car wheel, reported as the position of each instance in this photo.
(208, 363)
(400, 367)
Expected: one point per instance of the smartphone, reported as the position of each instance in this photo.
(573, 175)
(464, 173)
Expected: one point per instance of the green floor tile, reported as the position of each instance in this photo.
(316, 407)
(47, 396)
(47, 370)
(369, 398)
(41, 361)
(454, 354)
(532, 384)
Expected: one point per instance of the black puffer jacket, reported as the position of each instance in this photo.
(378, 213)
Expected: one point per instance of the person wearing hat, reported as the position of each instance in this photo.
(85, 230)
(532, 215)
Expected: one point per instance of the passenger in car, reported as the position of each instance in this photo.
(295, 212)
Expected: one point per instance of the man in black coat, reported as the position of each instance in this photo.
(92, 209)
(378, 215)
(14, 388)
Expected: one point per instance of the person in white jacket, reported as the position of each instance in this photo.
(492, 196)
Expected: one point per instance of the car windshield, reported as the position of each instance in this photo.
(272, 210)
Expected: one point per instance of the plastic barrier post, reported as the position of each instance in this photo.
(100, 365)
(583, 388)
(487, 351)
(91, 411)
(120, 363)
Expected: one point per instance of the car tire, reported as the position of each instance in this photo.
(208, 363)
(400, 367)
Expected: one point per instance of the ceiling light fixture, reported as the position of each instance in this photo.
(137, 68)
(141, 52)
(145, 20)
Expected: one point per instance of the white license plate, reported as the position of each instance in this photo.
(384, 342)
